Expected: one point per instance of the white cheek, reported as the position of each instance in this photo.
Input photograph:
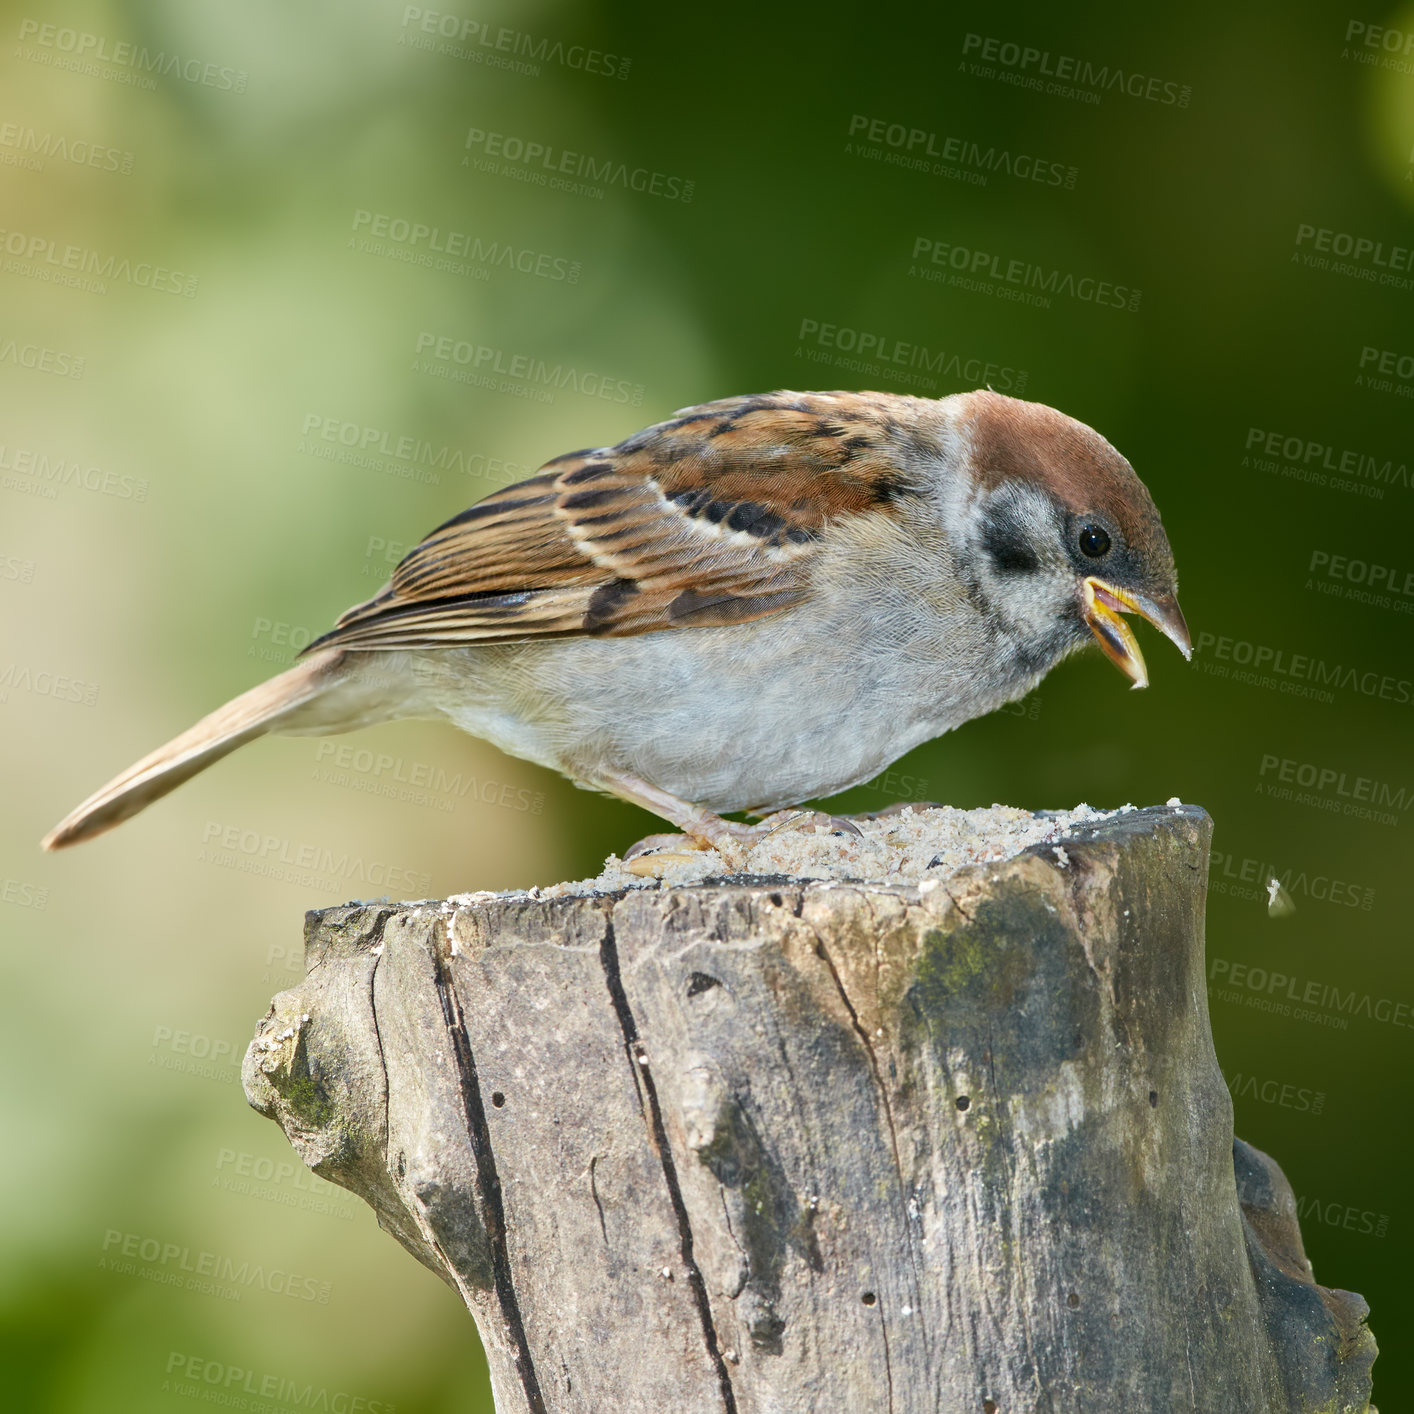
(1033, 602)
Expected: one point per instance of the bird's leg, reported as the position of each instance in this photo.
(707, 830)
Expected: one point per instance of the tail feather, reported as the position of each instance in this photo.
(250, 715)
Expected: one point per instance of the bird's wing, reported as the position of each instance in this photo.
(710, 518)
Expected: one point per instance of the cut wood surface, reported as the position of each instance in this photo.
(768, 1145)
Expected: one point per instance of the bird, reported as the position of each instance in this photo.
(761, 601)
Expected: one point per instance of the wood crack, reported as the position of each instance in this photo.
(744, 1274)
(638, 1060)
(953, 899)
(594, 1193)
(888, 1364)
(376, 950)
(494, 1214)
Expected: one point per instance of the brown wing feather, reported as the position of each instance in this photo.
(709, 518)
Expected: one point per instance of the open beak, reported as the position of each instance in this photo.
(1104, 603)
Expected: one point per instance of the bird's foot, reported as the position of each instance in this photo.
(735, 854)
(656, 844)
(702, 829)
(650, 855)
(801, 819)
(735, 842)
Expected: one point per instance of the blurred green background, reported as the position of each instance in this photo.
(202, 467)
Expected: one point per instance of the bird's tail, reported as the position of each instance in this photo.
(279, 704)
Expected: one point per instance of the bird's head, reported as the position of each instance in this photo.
(1062, 537)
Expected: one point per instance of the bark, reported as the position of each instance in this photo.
(765, 1145)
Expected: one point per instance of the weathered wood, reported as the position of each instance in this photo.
(762, 1145)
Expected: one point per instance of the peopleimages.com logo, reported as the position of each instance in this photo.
(306, 864)
(210, 1273)
(500, 46)
(950, 155)
(1299, 674)
(233, 1386)
(1329, 788)
(1065, 75)
(562, 169)
(120, 60)
(1303, 999)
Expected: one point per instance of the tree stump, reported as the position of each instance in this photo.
(768, 1145)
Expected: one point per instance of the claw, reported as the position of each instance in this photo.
(652, 844)
(734, 852)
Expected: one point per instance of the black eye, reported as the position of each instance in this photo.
(1094, 541)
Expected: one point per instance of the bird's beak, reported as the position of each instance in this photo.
(1104, 603)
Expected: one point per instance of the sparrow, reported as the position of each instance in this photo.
(761, 601)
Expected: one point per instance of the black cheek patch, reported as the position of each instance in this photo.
(1008, 548)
